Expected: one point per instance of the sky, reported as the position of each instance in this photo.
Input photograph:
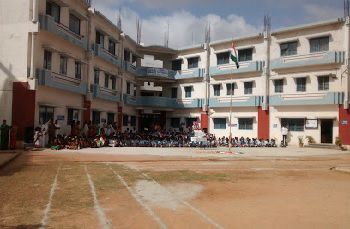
(187, 19)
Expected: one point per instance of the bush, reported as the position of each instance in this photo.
(338, 142)
(301, 141)
(310, 140)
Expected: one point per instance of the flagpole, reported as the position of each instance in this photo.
(230, 137)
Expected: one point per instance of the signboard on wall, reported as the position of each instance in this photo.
(60, 117)
(344, 122)
(311, 123)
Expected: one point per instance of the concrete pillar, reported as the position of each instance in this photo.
(263, 123)
(344, 125)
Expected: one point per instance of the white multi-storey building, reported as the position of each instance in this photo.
(65, 60)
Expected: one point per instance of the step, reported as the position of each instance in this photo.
(321, 146)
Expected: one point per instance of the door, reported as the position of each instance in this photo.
(327, 131)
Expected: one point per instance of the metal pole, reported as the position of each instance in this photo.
(230, 119)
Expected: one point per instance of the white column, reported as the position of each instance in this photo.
(266, 70)
(347, 62)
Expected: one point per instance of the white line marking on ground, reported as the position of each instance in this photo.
(196, 210)
(138, 199)
(45, 218)
(99, 211)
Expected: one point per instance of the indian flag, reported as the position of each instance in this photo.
(234, 56)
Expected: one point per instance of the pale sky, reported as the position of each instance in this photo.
(228, 18)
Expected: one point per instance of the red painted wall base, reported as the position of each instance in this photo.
(120, 118)
(87, 111)
(263, 123)
(344, 125)
(204, 121)
(23, 109)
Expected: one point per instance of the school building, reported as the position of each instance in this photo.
(65, 60)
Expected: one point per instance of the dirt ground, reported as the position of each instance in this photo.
(49, 190)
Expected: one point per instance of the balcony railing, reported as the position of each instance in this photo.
(312, 59)
(237, 101)
(105, 93)
(245, 67)
(162, 102)
(47, 23)
(104, 54)
(58, 81)
(327, 98)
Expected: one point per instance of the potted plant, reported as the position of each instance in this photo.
(310, 140)
(339, 143)
(301, 141)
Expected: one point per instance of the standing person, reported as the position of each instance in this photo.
(85, 130)
(13, 137)
(5, 133)
(43, 138)
(37, 137)
(77, 129)
(51, 131)
(58, 128)
(284, 132)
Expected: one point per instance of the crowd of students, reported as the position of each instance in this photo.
(107, 135)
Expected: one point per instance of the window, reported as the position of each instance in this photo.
(97, 76)
(47, 60)
(111, 47)
(174, 92)
(134, 91)
(126, 55)
(63, 65)
(245, 55)
(188, 92)
(230, 89)
(128, 88)
(278, 86)
(100, 39)
(323, 83)
(223, 58)
(216, 89)
(176, 65)
(73, 115)
(77, 70)
(175, 122)
(132, 120)
(45, 114)
(295, 124)
(106, 80)
(74, 24)
(301, 84)
(125, 120)
(219, 123)
(54, 11)
(319, 44)
(248, 88)
(110, 118)
(133, 59)
(245, 124)
(193, 62)
(114, 83)
(289, 48)
(96, 117)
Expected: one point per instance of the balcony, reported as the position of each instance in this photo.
(156, 73)
(241, 101)
(162, 102)
(58, 81)
(329, 98)
(104, 54)
(105, 93)
(190, 74)
(245, 67)
(47, 23)
(312, 59)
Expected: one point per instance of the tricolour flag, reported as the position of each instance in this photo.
(234, 56)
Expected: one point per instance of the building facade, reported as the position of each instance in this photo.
(65, 60)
